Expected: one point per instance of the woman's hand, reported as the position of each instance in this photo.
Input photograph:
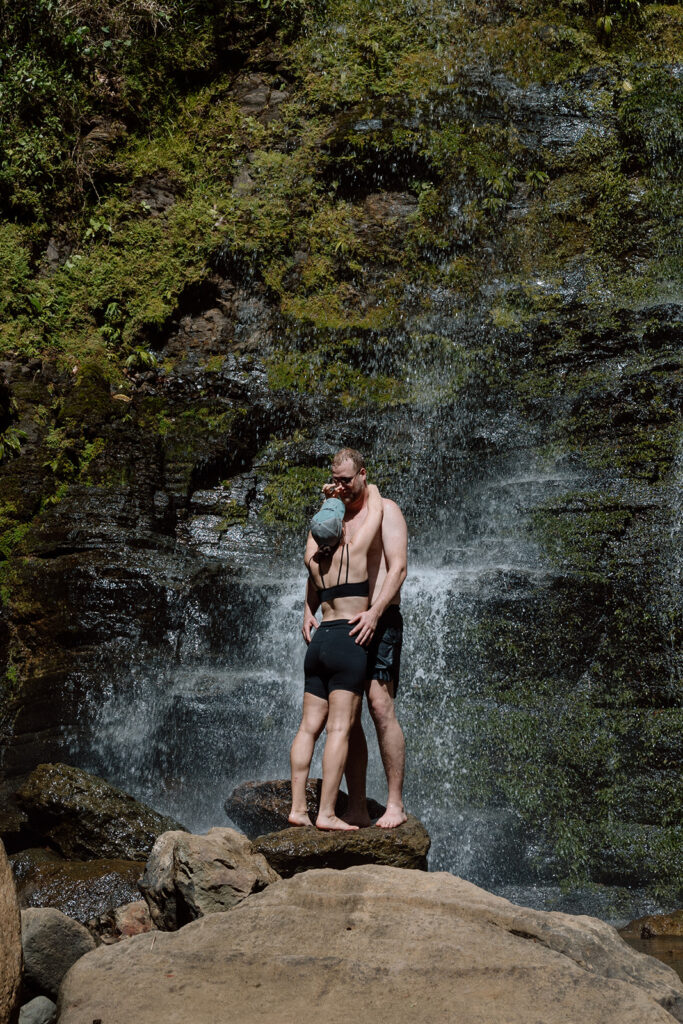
(331, 490)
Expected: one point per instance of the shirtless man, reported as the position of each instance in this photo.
(379, 628)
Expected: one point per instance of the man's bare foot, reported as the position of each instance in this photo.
(299, 819)
(331, 823)
(393, 816)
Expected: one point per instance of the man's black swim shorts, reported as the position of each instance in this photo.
(334, 661)
(384, 652)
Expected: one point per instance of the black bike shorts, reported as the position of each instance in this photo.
(334, 661)
(384, 652)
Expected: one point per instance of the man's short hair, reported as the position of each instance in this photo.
(349, 453)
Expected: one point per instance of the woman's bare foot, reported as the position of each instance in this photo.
(393, 816)
(295, 818)
(331, 823)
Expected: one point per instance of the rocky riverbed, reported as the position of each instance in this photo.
(220, 926)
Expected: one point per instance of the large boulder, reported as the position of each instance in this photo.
(188, 876)
(80, 888)
(86, 817)
(10, 941)
(261, 807)
(375, 944)
(654, 926)
(300, 849)
(52, 942)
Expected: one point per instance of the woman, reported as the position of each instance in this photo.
(335, 665)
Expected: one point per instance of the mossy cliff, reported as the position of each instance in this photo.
(236, 235)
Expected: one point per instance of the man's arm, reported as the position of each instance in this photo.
(395, 545)
(312, 601)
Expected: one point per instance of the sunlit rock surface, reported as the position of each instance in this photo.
(188, 876)
(10, 941)
(378, 944)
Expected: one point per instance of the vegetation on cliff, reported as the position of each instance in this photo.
(360, 169)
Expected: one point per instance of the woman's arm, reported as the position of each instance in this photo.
(373, 520)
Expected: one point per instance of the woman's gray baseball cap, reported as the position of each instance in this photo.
(326, 525)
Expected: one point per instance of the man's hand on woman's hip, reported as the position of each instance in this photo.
(366, 624)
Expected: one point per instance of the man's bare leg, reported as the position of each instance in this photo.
(356, 812)
(343, 709)
(392, 748)
(312, 723)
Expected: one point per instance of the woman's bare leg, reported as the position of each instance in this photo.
(312, 724)
(343, 708)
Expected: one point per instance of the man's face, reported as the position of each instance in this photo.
(350, 482)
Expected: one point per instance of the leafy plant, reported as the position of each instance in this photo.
(140, 359)
(537, 180)
(10, 443)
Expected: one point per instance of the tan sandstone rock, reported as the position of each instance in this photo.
(188, 876)
(10, 941)
(374, 944)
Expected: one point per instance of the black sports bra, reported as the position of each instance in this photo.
(345, 589)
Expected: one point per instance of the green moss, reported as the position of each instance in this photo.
(577, 531)
(651, 121)
(326, 371)
(233, 514)
(292, 496)
(214, 364)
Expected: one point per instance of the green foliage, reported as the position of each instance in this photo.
(651, 121)
(292, 495)
(327, 372)
(10, 443)
(65, 65)
(140, 359)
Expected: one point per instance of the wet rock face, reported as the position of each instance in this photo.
(464, 271)
(83, 816)
(80, 889)
(302, 849)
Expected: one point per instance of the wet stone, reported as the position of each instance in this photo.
(302, 849)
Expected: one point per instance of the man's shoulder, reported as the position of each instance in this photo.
(392, 507)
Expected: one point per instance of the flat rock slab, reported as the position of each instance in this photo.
(261, 807)
(301, 849)
(85, 817)
(374, 944)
